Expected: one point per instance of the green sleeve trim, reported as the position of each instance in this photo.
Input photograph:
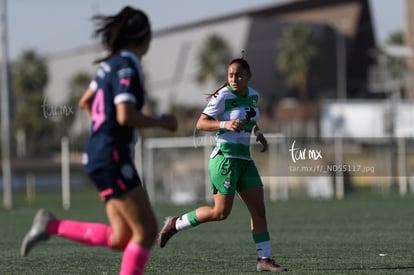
(262, 237)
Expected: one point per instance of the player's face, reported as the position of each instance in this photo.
(238, 78)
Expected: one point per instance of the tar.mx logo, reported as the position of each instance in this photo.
(50, 110)
(304, 153)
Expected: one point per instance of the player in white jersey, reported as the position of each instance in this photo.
(232, 112)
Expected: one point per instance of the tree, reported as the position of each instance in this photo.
(30, 77)
(30, 74)
(396, 38)
(213, 59)
(296, 55)
(396, 64)
(390, 70)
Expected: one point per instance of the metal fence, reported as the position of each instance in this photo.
(174, 170)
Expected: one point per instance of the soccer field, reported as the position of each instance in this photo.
(370, 234)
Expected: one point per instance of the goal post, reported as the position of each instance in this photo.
(176, 169)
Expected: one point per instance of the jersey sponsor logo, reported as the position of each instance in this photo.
(250, 112)
(125, 73)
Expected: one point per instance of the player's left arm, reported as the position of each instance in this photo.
(260, 137)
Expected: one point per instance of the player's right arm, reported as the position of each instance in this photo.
(85, 101)
(209, 120)
(207, 123)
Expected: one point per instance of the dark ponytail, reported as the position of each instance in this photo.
(129, 26)
(212, 94)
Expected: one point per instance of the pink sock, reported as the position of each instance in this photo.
(95, 234)
(134, 259)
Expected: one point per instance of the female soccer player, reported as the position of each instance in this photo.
(233, 113)
(118, 96)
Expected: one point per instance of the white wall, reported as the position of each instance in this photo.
(363, 119)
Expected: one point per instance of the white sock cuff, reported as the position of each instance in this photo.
(263, 249)
(182, 223)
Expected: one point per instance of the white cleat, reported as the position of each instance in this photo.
(38, 231)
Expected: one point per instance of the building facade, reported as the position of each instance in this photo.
(342, 29)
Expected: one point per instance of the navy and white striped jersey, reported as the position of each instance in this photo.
(119, 79)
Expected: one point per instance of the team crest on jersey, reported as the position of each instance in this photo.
(227, 183)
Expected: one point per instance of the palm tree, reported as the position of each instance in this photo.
(213, 58)
(30, 74)
(296, 54)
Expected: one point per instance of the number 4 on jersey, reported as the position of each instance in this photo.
(98, 110)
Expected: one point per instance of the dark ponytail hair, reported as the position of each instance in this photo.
(243, 63)
(129, 26)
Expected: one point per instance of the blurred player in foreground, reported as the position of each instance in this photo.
(114, 101)
(232, 112)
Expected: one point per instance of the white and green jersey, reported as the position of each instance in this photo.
(228, 105)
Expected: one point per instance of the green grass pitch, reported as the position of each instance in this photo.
(362, 234)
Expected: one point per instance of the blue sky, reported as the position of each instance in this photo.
(50, 26)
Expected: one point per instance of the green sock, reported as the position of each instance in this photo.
(186, 221)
